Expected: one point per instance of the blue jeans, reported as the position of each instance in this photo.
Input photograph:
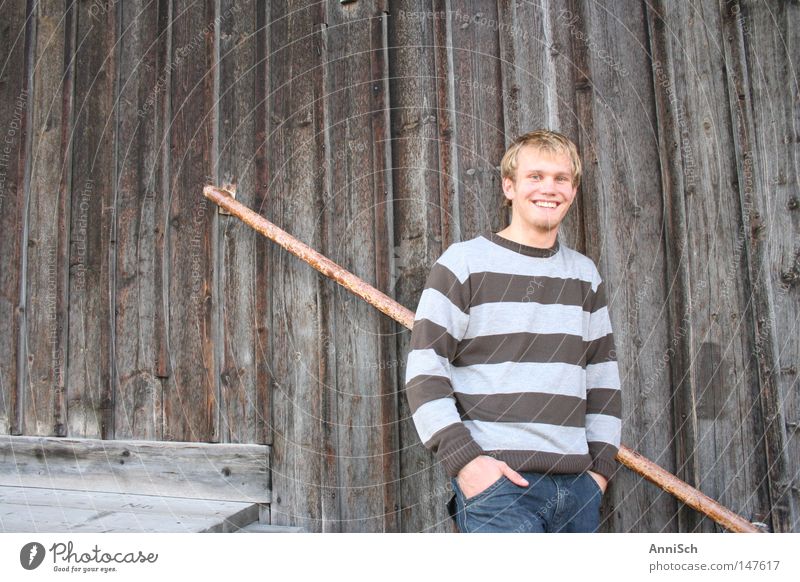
(550, 503)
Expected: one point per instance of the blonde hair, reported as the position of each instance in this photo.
(546, 141)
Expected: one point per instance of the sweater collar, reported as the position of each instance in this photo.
(523, 249)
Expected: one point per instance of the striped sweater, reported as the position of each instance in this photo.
(512, 356)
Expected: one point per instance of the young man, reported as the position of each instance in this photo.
(512, 376)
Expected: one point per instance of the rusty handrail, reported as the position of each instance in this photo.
(631, 459)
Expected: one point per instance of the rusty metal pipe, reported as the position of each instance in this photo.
(631, 459)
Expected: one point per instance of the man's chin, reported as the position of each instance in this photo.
(547, 227)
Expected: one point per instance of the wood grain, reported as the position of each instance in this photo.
(417, 179)
(48, 208)
(140, 210)
(775, 138)
(359, 224)
(191, 395)
(244, 402)
(190, 470)
(92, 239)
(54, 510)
(15, 105)
(304, 477)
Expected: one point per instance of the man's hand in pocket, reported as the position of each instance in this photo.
(481, 472)
(602, 482)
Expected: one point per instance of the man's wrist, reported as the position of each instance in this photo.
(461, 458)
(603, 466)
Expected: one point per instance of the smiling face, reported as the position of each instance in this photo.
(542, 192)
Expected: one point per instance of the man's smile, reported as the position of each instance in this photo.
(546, 203)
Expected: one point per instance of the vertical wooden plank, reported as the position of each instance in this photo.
(15, 44)
(243, 403)
(162, 109)
(718, 325)
(529, 88)
(191, 404)
(48, 213)
(304, 477)
(261, 249)
(92, 232)
(423, 486)
(467, 40)
(670, 125)
(359, 216)
(771, 38)
(143, 81)
(757, 198)
(538, 72)
(449, 186)
(728, 421)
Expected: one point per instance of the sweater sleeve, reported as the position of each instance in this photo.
(439, 325)
(603, 394)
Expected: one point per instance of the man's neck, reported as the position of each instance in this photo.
(529, 237)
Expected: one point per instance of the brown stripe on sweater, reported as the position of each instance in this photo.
(604, 401)
(601, 350)
(444, 280)
(598, 298)
(488, 287)
(522, 347)
(424, 388)
(523, 407)
(502, 287)
(428, 335)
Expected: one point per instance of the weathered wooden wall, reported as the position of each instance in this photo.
(131, 309)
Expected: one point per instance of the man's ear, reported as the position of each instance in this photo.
(508, 186)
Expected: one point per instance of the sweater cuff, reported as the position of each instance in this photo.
(459, 456)
(603, 459)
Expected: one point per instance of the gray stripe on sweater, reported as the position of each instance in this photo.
(602, 375)
(504, 318)
(426, 363)
(528, 436)
(507, 377)
(446, 313)
(433, 416)
(600, 425)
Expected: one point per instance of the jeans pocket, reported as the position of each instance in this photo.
(485, 493)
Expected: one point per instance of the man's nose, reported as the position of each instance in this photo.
(547, 184)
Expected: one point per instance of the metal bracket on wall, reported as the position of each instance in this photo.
(230, 189)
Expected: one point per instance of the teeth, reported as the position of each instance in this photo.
(546, 204)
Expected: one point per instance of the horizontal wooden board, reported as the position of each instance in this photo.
(230, 472)
(25, 509)
(266, 528)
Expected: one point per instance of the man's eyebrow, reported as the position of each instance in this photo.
(538, 171)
